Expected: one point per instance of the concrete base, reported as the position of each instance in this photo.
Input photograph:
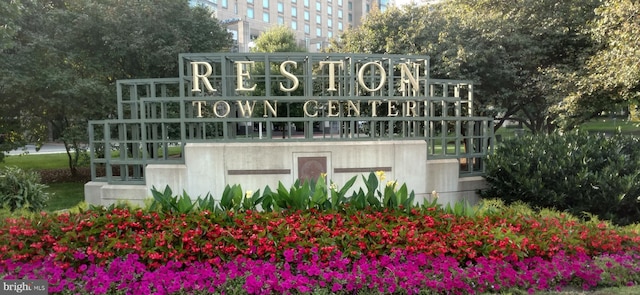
(102, 193)
(209, 167)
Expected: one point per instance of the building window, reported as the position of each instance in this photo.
(250, 12)
(294, 1)
(294, 11)
(340, 26)
(318, 6)
(306, 15)
(250, 1)
(318, 19)
(329, 23)
(339, 2)
(329, 10)
(330, 34)
(265, 3)
(280, 7)
(280, 20)
(294, 25)
(339, 13)
(350, 5)
(306, 3)
(319, 32)
(225, 3)
(307, 28)
(265, 17)
(367, 9)
(350, 18)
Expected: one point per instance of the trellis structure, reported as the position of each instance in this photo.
(253, 98)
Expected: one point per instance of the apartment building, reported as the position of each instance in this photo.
(314, 22)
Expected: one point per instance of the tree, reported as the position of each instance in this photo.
(511, 49)
(69, 54)
(9, 12)
(277, 39)
(612, 74)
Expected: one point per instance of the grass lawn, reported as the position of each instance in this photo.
(64, 195)
(611, 124)
(35, 162)
(602, 124)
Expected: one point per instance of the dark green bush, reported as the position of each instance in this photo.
(20, 189)
(577, 172)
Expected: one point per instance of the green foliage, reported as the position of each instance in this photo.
(577, 172)
(167, 202)
(302, 195)
(517, 53)
(387, 197)
(21, 189)
(79, 49)
(277, 39)
(461, 209)
(611, 74)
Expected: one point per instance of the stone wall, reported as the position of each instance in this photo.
(209, 167)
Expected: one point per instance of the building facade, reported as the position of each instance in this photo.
(314, 22)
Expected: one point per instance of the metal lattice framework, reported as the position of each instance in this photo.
(256, 97)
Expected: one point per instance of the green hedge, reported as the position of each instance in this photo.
(577, 172)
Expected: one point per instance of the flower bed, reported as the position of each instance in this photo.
(127, 251)
(399, 272)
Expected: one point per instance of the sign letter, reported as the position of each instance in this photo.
(332, 72)
(292, 77)
(195, 71)
(406, 77)
(242, 72)
(383, 76)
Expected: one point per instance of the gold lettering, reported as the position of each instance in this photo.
(284, 72)
(315, 108)
(200, 104)
(195, 71)
(374, 107)
(273, 109)
(407, 78)
(354, 107)
(333, 105)
(246, 109)
(332, 72)
(410, 108)
(392, 108)
(383, 76)
(242, 72)
(219, 105)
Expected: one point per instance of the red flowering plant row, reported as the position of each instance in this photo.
(99, 236)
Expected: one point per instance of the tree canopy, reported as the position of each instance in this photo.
(60, 66)
(277, 39)
(521, 54)
(611, 75)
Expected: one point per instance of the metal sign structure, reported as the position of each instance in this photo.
(262, 97)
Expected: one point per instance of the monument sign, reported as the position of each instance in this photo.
(257, 119)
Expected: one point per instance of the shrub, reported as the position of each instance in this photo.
(21, 189)
(577, 172)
